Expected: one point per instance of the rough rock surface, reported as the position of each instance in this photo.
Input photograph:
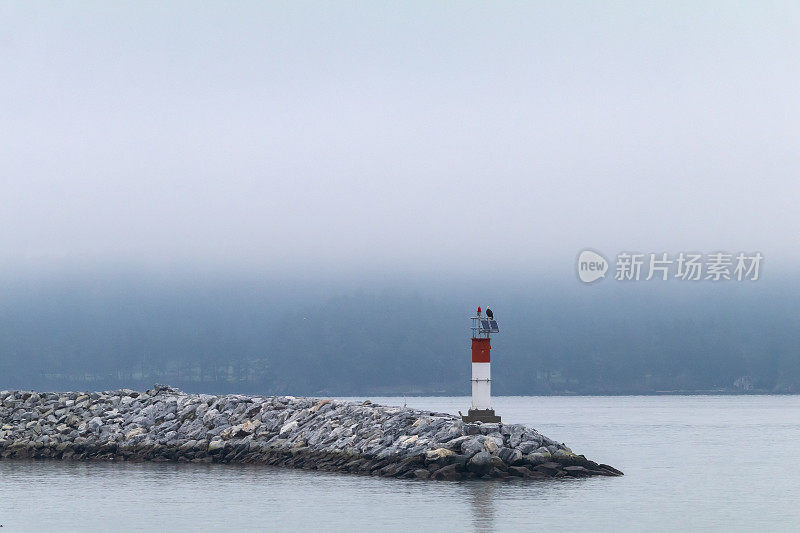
(165, 424)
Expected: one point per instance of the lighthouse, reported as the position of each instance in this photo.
(482, 329)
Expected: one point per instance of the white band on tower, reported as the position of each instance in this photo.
(481, 386)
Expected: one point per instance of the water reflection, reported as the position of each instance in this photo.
(481, 496)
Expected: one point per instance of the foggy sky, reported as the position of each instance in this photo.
(430, 136)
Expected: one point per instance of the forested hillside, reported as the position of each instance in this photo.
(255, 337)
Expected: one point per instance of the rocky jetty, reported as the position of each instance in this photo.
(165, 424)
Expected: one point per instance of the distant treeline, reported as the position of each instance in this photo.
(245, 337)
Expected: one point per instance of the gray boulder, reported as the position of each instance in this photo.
(473, 445)
(481, 463)
(510, 456)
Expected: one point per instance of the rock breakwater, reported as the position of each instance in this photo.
(164, 424)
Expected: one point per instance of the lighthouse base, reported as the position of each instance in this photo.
(481, 415)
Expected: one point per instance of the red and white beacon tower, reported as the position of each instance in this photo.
(482, 329)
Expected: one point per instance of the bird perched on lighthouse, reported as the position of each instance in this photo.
(489, 313)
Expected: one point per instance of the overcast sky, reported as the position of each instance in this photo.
(403, 136)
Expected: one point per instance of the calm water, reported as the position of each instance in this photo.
(691, 462)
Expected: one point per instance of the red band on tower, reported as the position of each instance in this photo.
(480, 350)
